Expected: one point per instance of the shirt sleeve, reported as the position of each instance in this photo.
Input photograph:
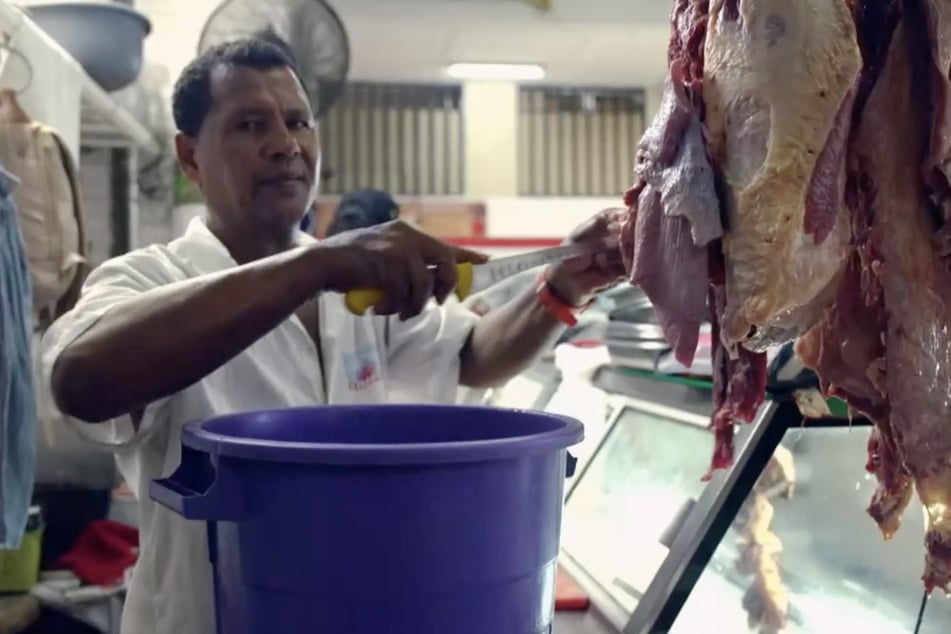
(107, 288)
(423, 353)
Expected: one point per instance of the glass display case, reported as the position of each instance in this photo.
(594, 408)
(532, 389)
(641, 482)
(783, 544)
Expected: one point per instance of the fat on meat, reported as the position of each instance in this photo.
(891, 141)
(778, 86)
(884, 346)
(847, 347)
(800, 167)
(672, 238)
(674, 217)
(938, 166)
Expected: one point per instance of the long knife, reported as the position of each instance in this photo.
(473, 278)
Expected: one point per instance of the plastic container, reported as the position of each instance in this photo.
(20, 568)
(378, 519)
(106, 38)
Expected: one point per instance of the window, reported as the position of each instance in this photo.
(404, 138)
(576, 141)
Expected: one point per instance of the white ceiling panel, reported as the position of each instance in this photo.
(541, 44)
(612, 42)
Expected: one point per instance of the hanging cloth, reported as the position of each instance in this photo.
(49, 206)
(17, 396)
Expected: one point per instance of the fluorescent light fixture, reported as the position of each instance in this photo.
(511, 72)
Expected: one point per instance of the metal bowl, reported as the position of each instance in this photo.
(105, 38)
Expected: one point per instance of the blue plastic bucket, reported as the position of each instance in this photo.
(378, 519)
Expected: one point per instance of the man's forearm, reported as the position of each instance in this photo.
(507, 340)
(167, 339)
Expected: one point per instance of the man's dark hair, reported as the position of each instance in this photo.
(191, 99)
(268, 35)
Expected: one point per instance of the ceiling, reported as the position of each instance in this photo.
(594, 42)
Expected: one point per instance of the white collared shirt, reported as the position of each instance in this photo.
(367, 361)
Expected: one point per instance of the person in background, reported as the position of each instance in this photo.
(357, 209)
(309, 221)
(363, 208)
(246, 312)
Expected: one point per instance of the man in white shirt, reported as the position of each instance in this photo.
(246, 312)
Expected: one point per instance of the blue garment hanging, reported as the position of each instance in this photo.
(17, 396)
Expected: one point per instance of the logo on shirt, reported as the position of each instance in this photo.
(362, 367)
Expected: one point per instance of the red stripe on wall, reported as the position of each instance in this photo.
(504, 243)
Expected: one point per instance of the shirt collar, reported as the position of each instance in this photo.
(208, 253)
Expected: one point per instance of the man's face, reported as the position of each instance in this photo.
(257, 154)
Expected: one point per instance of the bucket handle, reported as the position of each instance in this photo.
(571, 463)
(197, 490)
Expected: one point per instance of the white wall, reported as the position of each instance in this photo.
(512, 217)
(491, 140)
(490, 129)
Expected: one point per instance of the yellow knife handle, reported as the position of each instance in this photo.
(360, 300)
(465, 276)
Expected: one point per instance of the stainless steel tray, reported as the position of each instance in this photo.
(628, 331)
(640, 355)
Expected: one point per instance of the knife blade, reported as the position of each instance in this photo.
(473, 278)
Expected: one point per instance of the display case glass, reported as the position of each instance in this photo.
(520, 392)
(644, 475)
(787, 546)
(594, 408)
(835, 572)
(532, 389)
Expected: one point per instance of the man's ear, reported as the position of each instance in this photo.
(185, 148)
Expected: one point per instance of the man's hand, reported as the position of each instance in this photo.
(576, 280)
(508, 339)
(408, 265)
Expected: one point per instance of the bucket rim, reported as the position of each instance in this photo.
(195, 436)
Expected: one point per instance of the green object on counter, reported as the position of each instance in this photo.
(838, 407)
(689, 381)
(20, 568)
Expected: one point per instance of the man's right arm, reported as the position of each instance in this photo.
(139, 345)
(160, 341)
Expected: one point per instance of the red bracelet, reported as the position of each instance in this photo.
(558, 308)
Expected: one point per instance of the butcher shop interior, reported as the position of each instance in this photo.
(743, 424)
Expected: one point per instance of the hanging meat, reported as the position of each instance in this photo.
(796, 185)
